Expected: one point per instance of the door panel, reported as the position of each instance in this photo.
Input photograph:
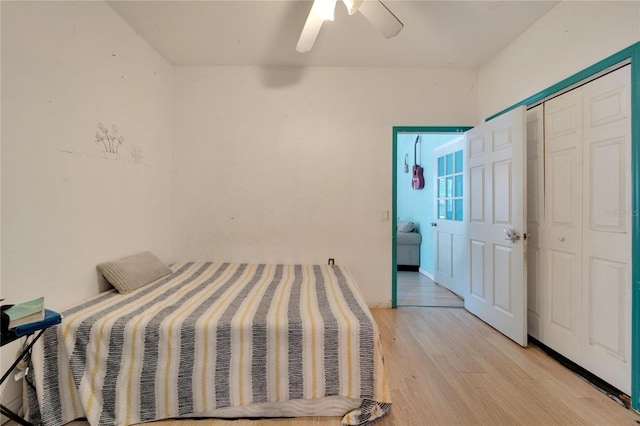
(606, 292)
(563, 194)
(606, 304)
(562, 267)
(477, 274)
(495, 202)
(502, 193)
(443, 254)
(502, 279)
(458, 245)
(563, 230)
(535, 218)
(476, 193)
(608, 190)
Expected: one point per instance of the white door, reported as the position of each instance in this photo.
(495, 200)
(587, 293)
(535, 218)
(563, 218)
(448, 225)
(606, 266)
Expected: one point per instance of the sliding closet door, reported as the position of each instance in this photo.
(563, 218)
(606, 301)
(535, 217)
(587, 239)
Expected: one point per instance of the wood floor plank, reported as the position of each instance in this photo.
(446, 367)
(415, 289)
(491, 396)
(519, 386)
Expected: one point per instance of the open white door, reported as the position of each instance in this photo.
(495, 202)
(448, 219)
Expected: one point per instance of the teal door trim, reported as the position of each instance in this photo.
(629, 55)
(394, 191)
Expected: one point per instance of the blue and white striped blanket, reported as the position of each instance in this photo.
(211, 336)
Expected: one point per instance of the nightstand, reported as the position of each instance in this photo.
(51, 318)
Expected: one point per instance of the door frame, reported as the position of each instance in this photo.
(394, 193)
(630, 55)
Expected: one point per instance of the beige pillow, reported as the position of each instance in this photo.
(132, 272)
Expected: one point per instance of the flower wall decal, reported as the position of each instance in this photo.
(136, 154)
(110, 140)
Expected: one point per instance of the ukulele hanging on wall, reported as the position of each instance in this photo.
(417, 181)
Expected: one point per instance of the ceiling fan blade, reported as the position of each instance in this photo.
(381, 17)
(309, 33)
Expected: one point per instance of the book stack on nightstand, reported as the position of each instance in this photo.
(26, 318)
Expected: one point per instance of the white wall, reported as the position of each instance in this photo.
(571, 37)
(66, 66)
(294, 165)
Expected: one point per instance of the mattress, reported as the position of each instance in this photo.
(214, 339)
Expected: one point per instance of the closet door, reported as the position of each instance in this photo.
(587, 238)
(563, 224)
(535, 218)
(606, 300)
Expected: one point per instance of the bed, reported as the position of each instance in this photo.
(215, 340)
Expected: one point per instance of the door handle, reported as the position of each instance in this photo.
(511, 234)
(434, 224)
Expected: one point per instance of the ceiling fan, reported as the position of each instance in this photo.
(322, 10)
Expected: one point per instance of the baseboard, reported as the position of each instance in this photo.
(412, 268)
(605, 387)
(426, 274)
(408, 268)
(374, 305)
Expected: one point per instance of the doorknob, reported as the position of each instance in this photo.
(434, 224)
(511, 234)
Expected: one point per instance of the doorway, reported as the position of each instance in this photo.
(413, 215)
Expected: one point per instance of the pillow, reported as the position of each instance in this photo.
(405, 226)
(132, 272)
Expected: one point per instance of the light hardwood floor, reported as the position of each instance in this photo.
(415, 289)
(446, 367)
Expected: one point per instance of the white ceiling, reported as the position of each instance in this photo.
(461, 34)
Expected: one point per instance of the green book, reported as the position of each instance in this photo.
(26, 313)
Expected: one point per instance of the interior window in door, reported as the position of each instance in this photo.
(450, 187)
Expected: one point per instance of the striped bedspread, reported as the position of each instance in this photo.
(211, 336)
